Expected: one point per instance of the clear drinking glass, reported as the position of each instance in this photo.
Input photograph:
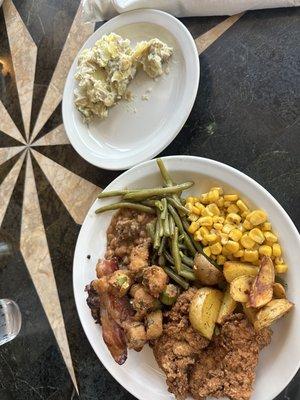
(10, 320)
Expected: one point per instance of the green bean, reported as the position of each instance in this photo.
(157, 234)
(133, 206)
(149, 203)
(159, 191)
(164, 173)
(151, 230)
(159, 205)
(161, 246)
(177, 278)
(165, 208)
(178, 205)
(180, 238)
(171, 225)
(182, 246)
(166, 226)
(189, 275)
(187, 260)
(113, 193)
(161, 227)
(161, 260)
(178, 222)
(168, 257)
(175, 251)
(153, 258)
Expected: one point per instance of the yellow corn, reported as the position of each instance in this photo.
(193, 217)
(250, 255)
(206, 213)
(211, 237)
(219, 189)
(276, 250)
(279, 260)
(235, 234)
(266, 226)
(265, 250)
(205, 221)
(257, 217)
(232, 246)
(227, 204)
(221, 259)
(228, 228)
(233, 209)
(225, 252)
(195, 210)
(206, 251)
(190, 200)
(224, 238)
(246, 241)
(199, 206)
(189, 206)
(233, 218)
(245, 214)
(270, 237)
(204, 242)
(197, 236)
(204, 198)
(213, 195)
(239, 254)
(214, 209)
(247, 225)
(216, 248)
(257, 235)
(194, 226)
(203, 231)
(231, 197)
(220, 202)
(216, 218)
(218, 226)
(241, 205)
(281, 268)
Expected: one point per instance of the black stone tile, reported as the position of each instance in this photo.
(53, 122)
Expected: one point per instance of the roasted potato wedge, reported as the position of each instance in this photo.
(227, 307)
(279, 291)
(204, 310)
(250, 313)
(205, 272)
(262, 287)
(234, 269)
(240, 288)
(271, 312)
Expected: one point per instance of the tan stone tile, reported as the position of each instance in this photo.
(8, 126)
(76, 193)
(55, 137)
(7, 186)
(78, 34)
(8, 152)
(34, 248)
(23, 52)
(208, 38)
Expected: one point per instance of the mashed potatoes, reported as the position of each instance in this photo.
(105, 70)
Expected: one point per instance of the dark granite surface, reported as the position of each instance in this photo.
(246, 115)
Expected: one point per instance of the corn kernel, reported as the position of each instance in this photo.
(239, 254)
(211, 237)
(276, 250)
(257, 235)
(270, 237)
(217, 218)
(247, 225)
(245, 214)
(221, 259)
(218, 188)
(197, 236)
(220, 202)
(250, 255)
(200, 206)
(266, 226)
(206, 251)
(218, 226)
(232, 246)
(233, 218)
(257, 217)
(235, 234)
(246, 241)
(241, 205)
(225, 252)
(281, 268)
(228, 228)
(204, 242)
(193, 217)
(203, 231)
(213, 195)
(195, 210)
(213, 208)
(216, 248)
(194, 226)
(231, 197)
(189, 206)
(265, 250)
(204, 198)
(279, 260)
(205, 221)
(233, 209)
(227, 204)
(206, 213)
(190, 200)
(224, 238)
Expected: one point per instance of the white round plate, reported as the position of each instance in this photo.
(140, 375)
(137, 131)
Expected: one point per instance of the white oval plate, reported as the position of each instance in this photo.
(140, 374)
(137, 131)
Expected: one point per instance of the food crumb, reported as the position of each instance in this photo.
(88, 256)
(145, 97)
(129, 96)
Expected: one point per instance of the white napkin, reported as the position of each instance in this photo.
(101, 10)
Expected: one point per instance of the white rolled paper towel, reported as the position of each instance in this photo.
(101, 10)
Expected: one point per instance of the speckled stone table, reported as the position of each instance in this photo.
(246, 114)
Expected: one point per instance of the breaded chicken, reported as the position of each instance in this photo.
(178, 347)
(227, 367)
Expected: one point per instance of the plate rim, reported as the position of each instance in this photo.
(129, 162)
(207, 161)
